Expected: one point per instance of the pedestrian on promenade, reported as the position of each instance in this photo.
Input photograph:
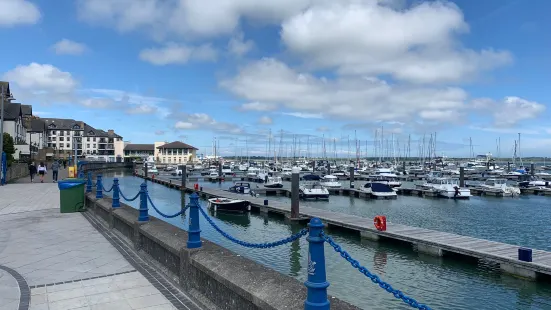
(55, 170)
(64, 164)
(42, 171)
(32, 171)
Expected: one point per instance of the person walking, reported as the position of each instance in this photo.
(42, 171)
(55, 170)
(32, 171)
(64, 164)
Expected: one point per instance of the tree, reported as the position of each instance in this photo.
(9, 147)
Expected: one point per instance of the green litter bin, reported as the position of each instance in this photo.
(71, 194)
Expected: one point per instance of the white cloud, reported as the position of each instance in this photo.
(258, 106)
(39, 78)
(304, 115)
(206, 122)
(18, 12)
(98, 103)
(514, 109)
(173, 53)
(186, 18)
(350, 98)
(68, 47)
(141, 109)
(416, 45)
(265, 120)
(238, 46)
(160, 132)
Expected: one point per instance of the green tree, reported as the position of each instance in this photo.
(9, 147)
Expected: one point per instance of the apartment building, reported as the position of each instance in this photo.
(176, 152)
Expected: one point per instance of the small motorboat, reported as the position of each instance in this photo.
(229, 205)
(213, 176)
(379, 190)
(331, 181)
(313, 190)
(274, 182)
(241, 188)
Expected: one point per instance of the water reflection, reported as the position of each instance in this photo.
(294, 255)
(241, 219)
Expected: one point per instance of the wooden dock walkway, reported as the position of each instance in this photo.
(423, 240)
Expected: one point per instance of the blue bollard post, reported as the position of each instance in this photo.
(144, 216)
(194, 231)
(89, 183)
(99, 187)
(317, 282)
(116, 199)
(525, 254)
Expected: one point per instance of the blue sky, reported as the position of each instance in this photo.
(157, 70)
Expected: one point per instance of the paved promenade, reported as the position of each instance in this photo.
(55, 261)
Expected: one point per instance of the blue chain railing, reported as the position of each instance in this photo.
(316, 283)
(131, 199)
(266, 245)
(110, 189)
(374, 278)
(165, 215)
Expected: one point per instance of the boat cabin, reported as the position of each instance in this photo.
(495, 182)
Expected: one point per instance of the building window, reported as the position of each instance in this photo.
(94, 139)
(88, 139)
(68, 145)
(76, 127)
(87, 146)
(51, 126)
(61, 138)
(68, 132)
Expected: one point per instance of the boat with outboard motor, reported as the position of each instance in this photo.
(229, 205)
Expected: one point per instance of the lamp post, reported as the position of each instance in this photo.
(2, 99)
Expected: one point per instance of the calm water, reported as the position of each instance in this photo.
(440, 283)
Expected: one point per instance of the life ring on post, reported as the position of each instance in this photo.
(380, 222)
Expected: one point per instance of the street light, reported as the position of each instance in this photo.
(2, 99)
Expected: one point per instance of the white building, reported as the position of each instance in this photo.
(14, 125)
(175, 152)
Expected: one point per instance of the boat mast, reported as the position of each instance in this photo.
(519, 152)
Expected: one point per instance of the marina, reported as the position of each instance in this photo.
(384, 257)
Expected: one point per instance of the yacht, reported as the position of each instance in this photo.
(274, 182)
(213, 175)
(251, 172)
(449, 188)
(532, 181)
(286, 171)
(241, 188)
(500, 185)
(340, 173)
(262, 176)
(379, 190)
(313, 190)
(331, 181)
(389, 179)
(151, 168)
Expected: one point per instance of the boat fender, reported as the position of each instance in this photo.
(217, 200)
(380, 222)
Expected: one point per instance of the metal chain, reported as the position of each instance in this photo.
(164, 215)
(124, 197)
(267, 245)
(374, 278)
(107, 191)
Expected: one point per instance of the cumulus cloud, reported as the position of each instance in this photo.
(511, 110)
(416, 45)
(68, 47)
(18, 12)
(41, 78)
(352, 98)
(238, 46)
(265, 120)
(258, 106)
(204, 121)
(186, 18)
(173, 53)
(160, 132)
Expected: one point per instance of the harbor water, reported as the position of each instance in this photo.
(440, 283)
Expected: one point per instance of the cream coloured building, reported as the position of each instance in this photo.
(175, 152)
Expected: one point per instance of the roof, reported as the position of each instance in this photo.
(12, 111)
(27, 109)
(37, 125)
(90, 131)
(177, 145)
(63, 123)
(6, 86)
(139, 147)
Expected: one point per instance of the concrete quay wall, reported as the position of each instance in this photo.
(211, 273)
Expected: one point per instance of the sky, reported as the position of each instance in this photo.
(240, 71)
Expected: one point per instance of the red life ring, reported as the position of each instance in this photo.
(380, 222)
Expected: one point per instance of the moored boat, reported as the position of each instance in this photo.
(229, 205)
(379, 190)
(274, 182)
(313, 190)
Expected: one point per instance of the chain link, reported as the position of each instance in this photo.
(107, 191)
(124, 197)
(165, 215)
(267, 245)
(374, 278)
